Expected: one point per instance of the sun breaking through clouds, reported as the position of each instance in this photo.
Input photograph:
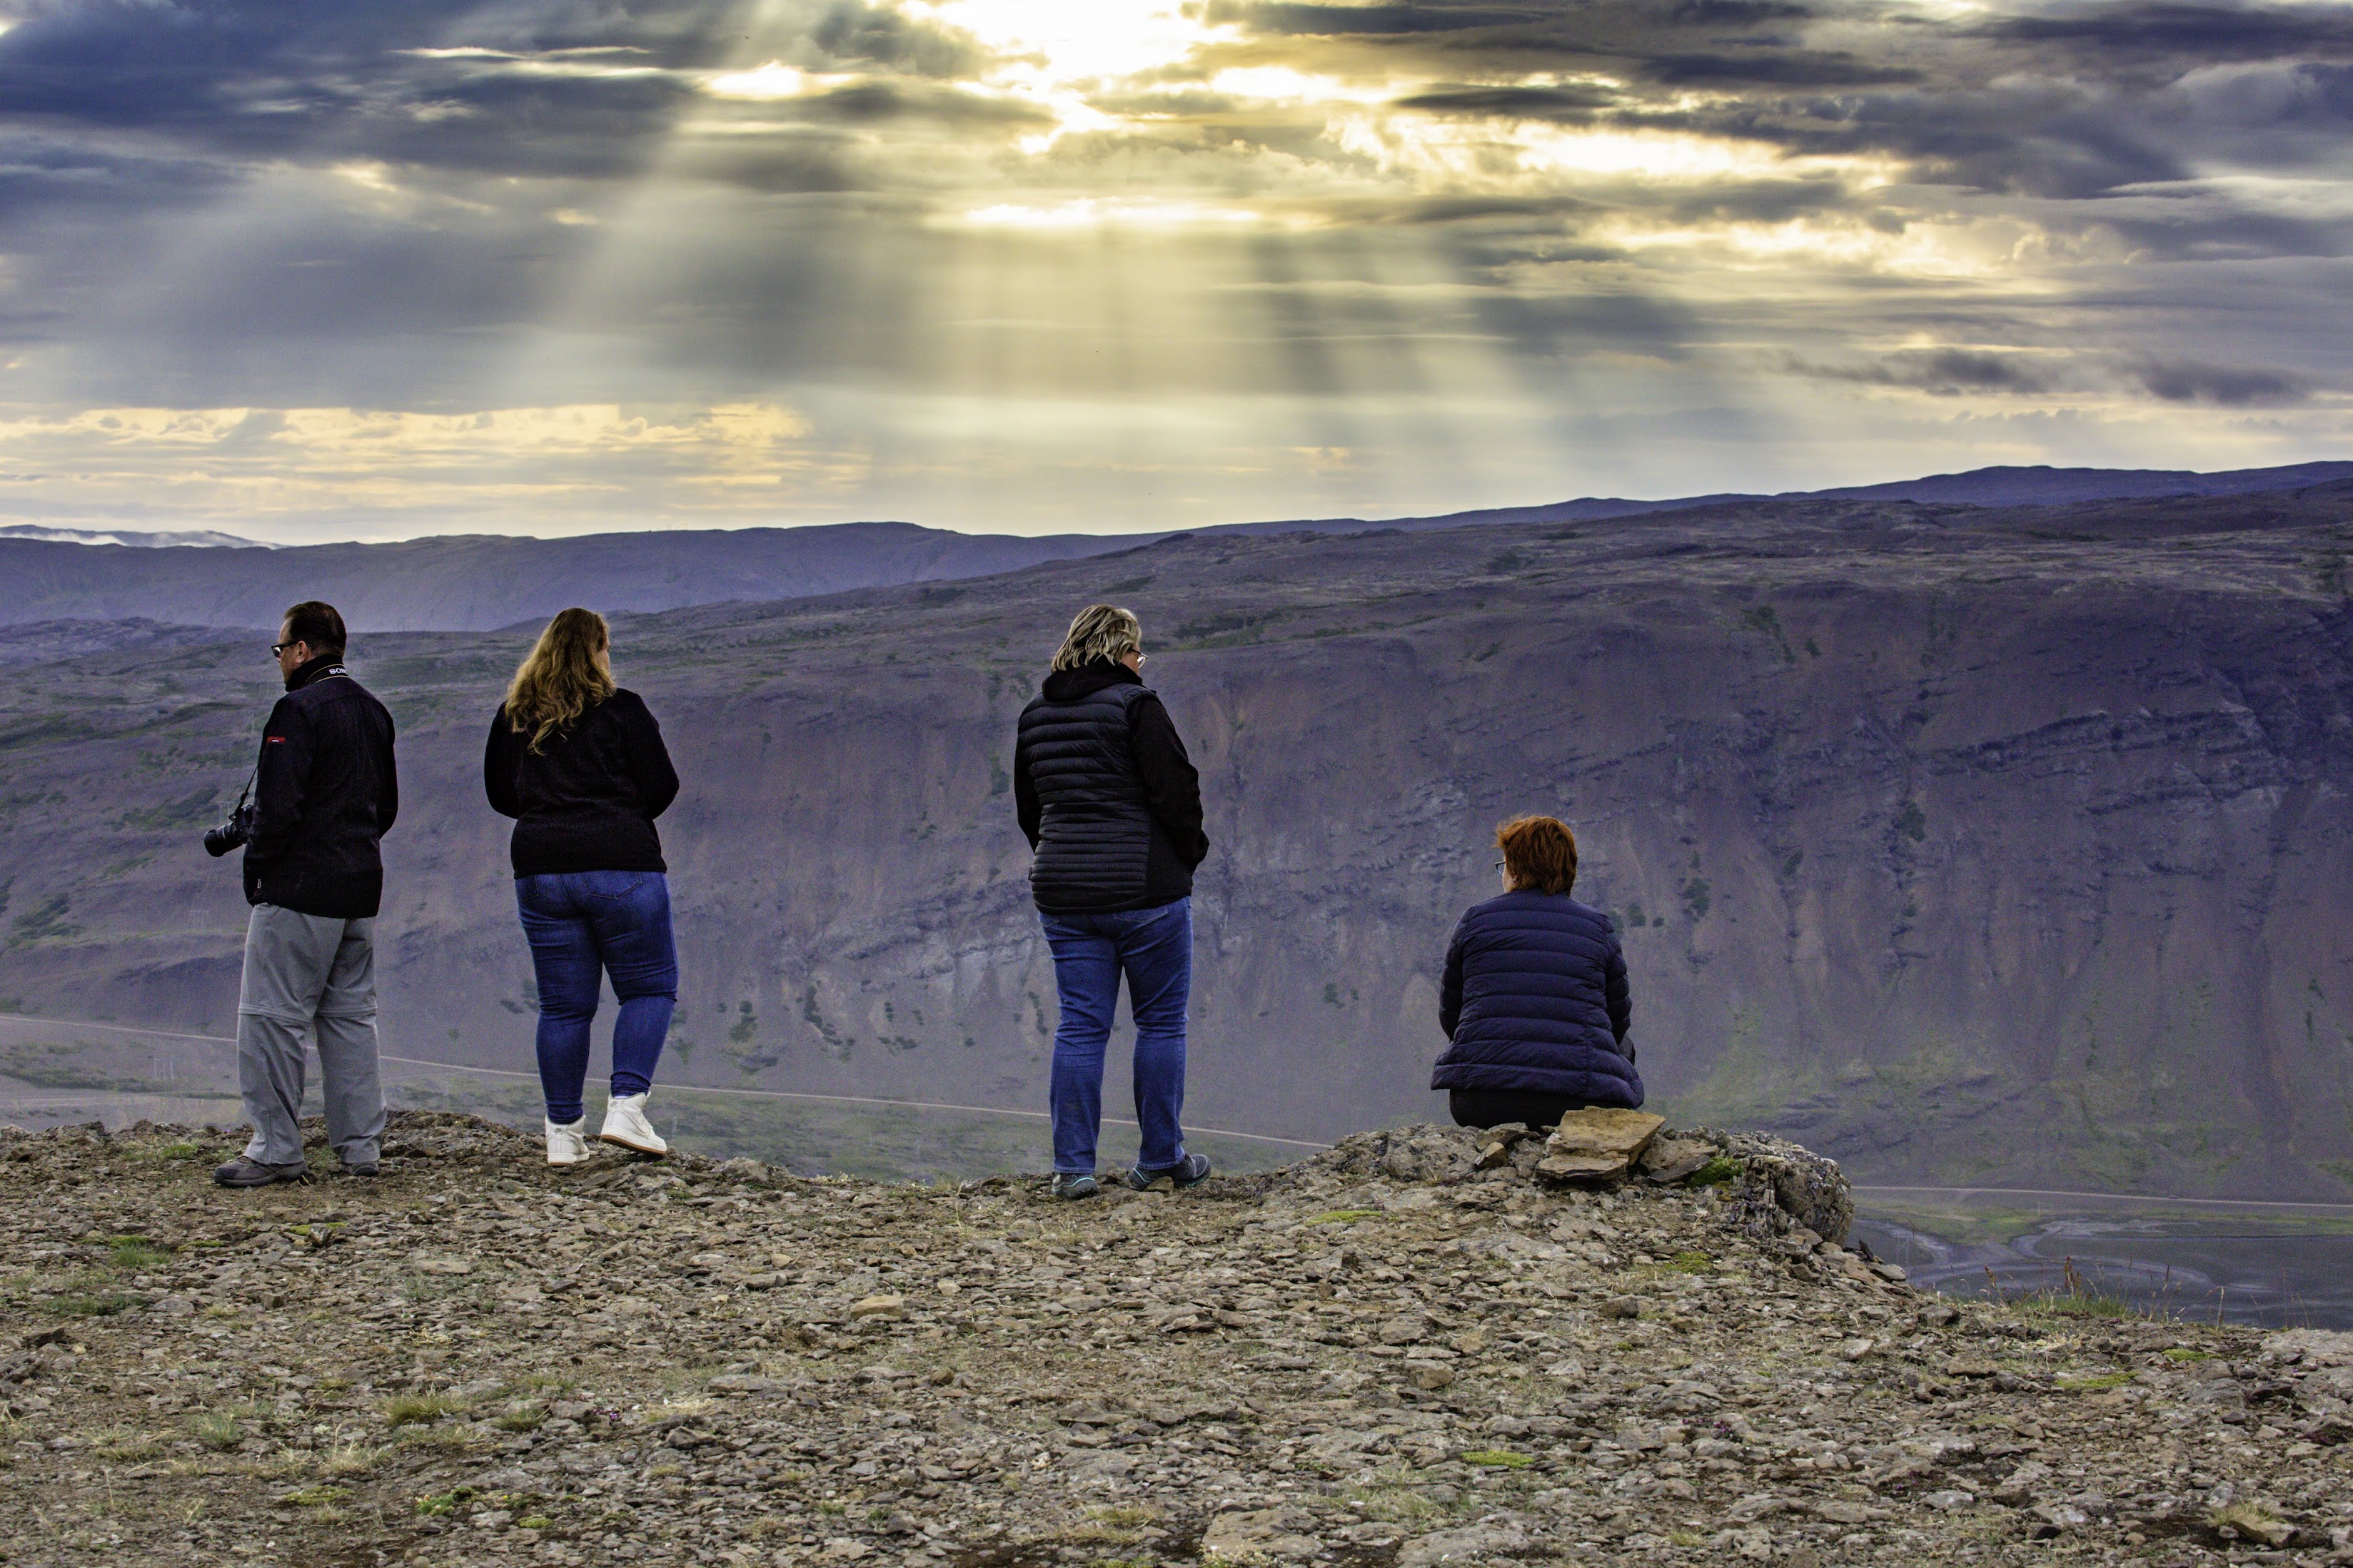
(368, 270)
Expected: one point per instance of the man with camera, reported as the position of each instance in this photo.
(322, 793)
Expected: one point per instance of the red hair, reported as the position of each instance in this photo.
(1539, 852)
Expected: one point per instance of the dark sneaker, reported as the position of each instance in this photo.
(366, 1168)
(1195, 1169)
(1076, 1184)
(242, 1171)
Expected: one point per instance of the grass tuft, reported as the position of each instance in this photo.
(125, 1446)
(2078, 1303)
(2092, 1383)
(1721, 1171)
(136, 1254)
(415, 1409)
(353, 1460)
(1498, 1459)
(217, 1429)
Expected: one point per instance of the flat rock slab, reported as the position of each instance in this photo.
(1598, 1145)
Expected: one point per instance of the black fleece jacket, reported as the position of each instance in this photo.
(586, 800)
(1171, 787)
(324, 792)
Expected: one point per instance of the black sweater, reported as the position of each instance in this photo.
(586, 800)
(323, 792)
(1074, 807)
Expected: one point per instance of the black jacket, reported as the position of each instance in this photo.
(323, 792)
(1535, 1000)
(587, 799)
(1105, 794)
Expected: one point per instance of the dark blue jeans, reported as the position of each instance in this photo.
(1154, 949)
(582, 926)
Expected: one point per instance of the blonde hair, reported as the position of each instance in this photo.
(1099, 631)
(563, 676)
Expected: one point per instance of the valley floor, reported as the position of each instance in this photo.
(1377, 1356)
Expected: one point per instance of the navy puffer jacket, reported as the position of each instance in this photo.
(1534, 1001)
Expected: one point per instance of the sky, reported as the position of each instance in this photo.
(374, 268)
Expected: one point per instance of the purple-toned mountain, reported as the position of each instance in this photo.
(1969, 844)
(481, 582)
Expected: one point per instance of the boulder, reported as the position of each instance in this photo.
(1597, 1145)
(1782, 1185)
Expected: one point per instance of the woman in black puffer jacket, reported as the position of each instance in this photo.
(1535, 997)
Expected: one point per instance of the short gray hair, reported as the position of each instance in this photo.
(1099, 631)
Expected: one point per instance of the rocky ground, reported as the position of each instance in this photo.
(1382, 1356)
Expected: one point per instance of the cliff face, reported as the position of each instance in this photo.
(1967, 845)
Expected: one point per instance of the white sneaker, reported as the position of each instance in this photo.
(567, 1142)
(626, 1124)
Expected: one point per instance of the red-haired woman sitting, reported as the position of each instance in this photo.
(1535, 997)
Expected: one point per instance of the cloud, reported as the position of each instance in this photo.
(1945, 371)
(2227, 386)
(859, 33)
(1459, 238)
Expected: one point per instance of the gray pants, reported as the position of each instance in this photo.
(309, 973)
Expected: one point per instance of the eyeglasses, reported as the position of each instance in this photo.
(278, 647)
(1500, 865)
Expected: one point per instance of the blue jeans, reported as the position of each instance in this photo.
(1154, 948)
(584, 925)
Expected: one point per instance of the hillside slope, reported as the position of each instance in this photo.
(1969, 846)
(1374, 1359)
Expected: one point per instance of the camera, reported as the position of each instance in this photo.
(232, 833)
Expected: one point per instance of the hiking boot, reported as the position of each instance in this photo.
(626, 1124)
(1076, 1184)
(1194, 1169)
(358, 1168)
(243, 1172)
(567, 1142)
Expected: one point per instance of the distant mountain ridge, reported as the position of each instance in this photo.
(482, 582)
(1974, 846)
(204, 538)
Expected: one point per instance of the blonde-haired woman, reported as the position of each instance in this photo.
(579, 764)
(1112, 809)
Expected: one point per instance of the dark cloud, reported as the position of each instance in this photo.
(1734, 13)
(1781, 67)
(2203, 34)
(2226, 386)
(279, 79)
(1943, 371)
(1346, 21)
(874, 102)
(1568, 105)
